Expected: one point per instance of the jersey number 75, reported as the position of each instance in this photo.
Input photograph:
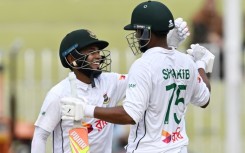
(177, 100)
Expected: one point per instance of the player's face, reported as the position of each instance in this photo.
(93, 56)
(143, 36)
(139, 40)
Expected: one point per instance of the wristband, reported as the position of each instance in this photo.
(89, 111)
(201, 64)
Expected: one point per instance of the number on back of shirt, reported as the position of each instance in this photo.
(175, 93)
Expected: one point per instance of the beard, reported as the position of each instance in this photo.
(90, 73)
(87, 70)
(143, 43)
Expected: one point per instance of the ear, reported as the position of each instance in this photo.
(71, 60)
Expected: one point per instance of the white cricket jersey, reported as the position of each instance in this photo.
(109, 90)
(160, 86)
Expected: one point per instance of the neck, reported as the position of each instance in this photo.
(159, 42)
(82, 77)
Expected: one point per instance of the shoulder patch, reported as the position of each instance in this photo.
(122, 77)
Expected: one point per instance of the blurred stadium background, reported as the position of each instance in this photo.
(30, 35)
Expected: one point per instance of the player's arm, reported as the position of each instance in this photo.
(206, 81)
(39, 140)
(204, 61)
(204, 78)
(77, 109)
(130, 113)
(115, 115)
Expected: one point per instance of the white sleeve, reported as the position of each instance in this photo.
(201, 93)
(39, 140)
(138, 91)
(49, 115)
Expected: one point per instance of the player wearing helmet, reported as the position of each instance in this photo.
(147, 18)
(83, 53)
(81, 45)
(161, 84)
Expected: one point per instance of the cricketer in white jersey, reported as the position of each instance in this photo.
(109, 90)
(161, 85)
(77, 49)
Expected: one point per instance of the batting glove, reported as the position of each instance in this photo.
(177, 35)
(202, 56)
(76, 109)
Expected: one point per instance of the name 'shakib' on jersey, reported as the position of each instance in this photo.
(176, 73)
(161, 85)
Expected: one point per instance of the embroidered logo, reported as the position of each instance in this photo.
(132, 85)
(106, 99)
(91, 34)
(171, 24)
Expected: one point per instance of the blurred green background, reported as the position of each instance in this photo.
(42, 24)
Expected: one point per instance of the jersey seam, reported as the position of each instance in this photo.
(143, 135)
(62, 139)
(135, 135)
(53, 141)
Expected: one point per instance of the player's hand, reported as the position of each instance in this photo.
(73, 108)
(177, 35)
(202, 56)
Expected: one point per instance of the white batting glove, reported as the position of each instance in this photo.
(202, 56)
(76, 109)
(177, 35)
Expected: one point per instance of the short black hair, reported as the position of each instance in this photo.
(160, 34)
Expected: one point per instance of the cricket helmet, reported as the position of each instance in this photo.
(74, 43)
(77, 40)
(147, 17)
(151, 14)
